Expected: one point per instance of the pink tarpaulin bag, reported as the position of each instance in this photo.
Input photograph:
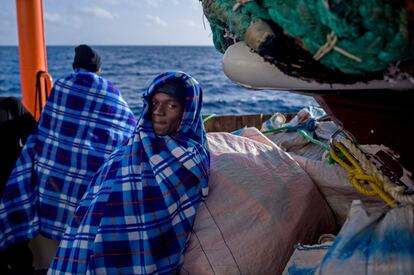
(260, 204)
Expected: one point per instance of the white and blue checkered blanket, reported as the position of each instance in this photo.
(138, 212)
(84, 120)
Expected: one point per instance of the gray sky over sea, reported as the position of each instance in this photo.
(115, 22)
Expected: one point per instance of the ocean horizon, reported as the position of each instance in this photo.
(131, 68)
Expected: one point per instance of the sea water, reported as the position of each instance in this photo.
(131, 68)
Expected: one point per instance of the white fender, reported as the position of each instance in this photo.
(250, 70)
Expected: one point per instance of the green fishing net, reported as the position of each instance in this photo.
(354, 37)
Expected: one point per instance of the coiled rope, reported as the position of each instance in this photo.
(396, 191)
(363, 172)
(359, 179)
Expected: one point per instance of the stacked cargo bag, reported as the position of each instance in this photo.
(261, 203)
(370, 242)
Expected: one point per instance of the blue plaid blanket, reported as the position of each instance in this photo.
(138, 212)
(84, 120)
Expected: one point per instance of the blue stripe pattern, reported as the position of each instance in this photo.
(84, 120)
(138, 212)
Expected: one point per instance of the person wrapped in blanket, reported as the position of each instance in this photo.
(138, 212)
(16, 124)
(84, 120)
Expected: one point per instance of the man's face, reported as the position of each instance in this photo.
(166, 114)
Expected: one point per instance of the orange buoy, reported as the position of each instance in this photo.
(36, 83)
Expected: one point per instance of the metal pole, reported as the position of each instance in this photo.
(32, 53)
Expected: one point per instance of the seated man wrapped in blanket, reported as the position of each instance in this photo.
(138, 212)
(84, 120)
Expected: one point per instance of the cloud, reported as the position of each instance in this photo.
(153, 3)
(158, 3)
(195, 5)
(98, 13)
(112, 2)
(189, 23)
(53, 17)
(156, 20)
(5, 23)
(4, 27)
(56, 19)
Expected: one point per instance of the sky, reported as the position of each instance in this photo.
(115, 22)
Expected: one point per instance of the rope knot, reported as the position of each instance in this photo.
(331, 40)
(358, 177)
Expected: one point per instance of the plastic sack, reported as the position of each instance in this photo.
(260, 204)
(376, 242)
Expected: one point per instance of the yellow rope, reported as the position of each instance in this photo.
(358, 178)
(396, 191)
